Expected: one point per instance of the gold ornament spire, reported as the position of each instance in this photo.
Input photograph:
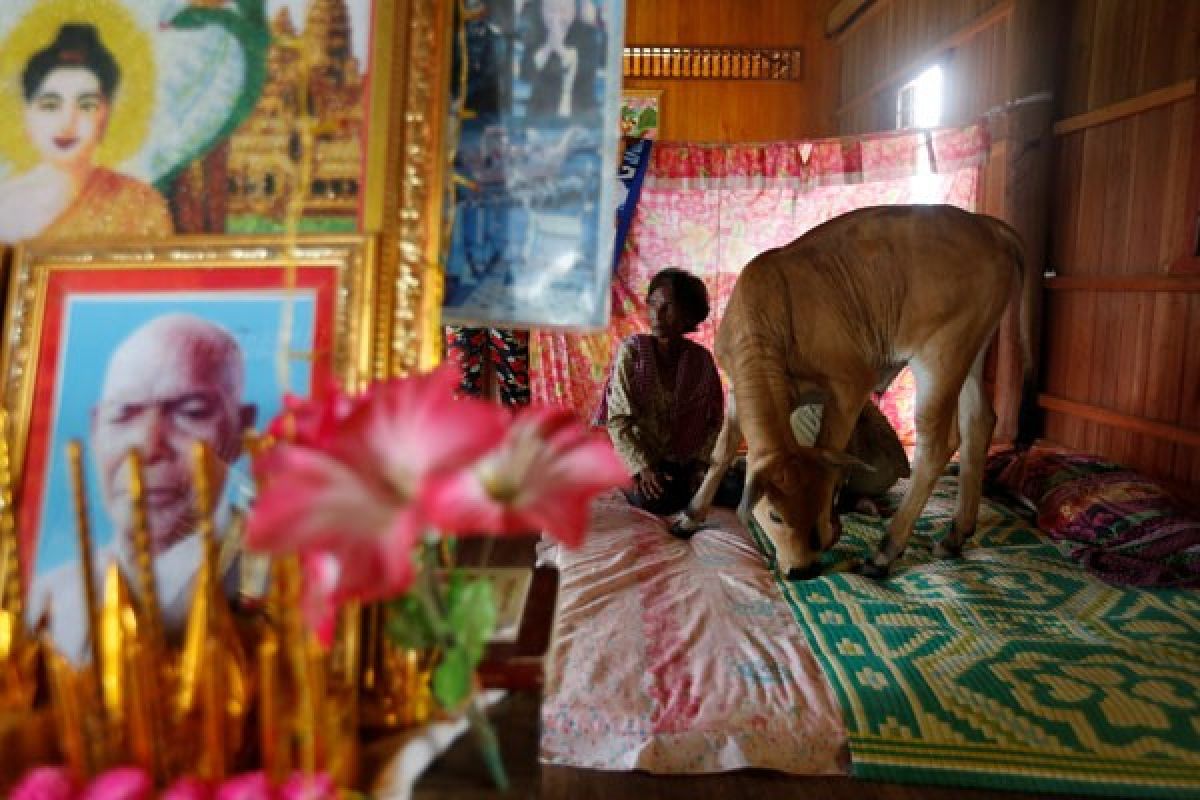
(87, 569)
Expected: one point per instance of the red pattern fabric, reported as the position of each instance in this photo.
(712, 208)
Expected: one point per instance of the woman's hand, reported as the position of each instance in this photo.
(650, 483)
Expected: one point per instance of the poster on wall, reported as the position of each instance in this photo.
(143, 118)
(535, 197)
(641, 113)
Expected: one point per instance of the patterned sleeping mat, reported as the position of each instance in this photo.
(1011, 668)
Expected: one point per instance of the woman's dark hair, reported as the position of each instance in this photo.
(77, 45)
(691, 296)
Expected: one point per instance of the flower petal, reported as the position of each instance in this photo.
(312, 499)
(414, 426)
(120, 783)
(542, 478)
(247, 786)
(188, 789)
(45, 783)
(308, 787)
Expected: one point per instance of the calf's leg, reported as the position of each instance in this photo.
(844, 404)
(723, 455)
(976, 420)
(937, 436)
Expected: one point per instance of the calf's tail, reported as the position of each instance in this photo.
(1029, 422)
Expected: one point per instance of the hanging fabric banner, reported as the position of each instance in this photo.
(631, 174)
(534, 202)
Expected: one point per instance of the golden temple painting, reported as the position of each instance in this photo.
(145, 118)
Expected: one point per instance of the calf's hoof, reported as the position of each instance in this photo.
(813, 570)
(683, 529)
(947, 549)
(875, 572)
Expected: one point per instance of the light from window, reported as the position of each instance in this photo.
(919, 103)
(927, 103)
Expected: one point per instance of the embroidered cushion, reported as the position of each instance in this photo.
(1120, 524)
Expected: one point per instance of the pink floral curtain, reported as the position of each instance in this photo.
(711, 208)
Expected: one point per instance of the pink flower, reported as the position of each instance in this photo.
(188, 789)
(256, 786)
(310, 422)
(345, 491)
(542, 477)
(247, 786)
(45, 783)
(121, 783)
(308, 787)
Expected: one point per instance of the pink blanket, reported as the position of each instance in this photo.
(680, 657)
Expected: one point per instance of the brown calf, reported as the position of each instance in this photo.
(838, 312)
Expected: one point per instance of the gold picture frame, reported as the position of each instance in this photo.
(71, 309)
(413, 44)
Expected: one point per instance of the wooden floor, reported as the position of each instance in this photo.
(459, 775)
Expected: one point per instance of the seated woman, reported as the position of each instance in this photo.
(663, 402)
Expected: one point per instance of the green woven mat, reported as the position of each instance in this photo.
(1011, 668)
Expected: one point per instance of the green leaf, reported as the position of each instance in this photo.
(408, 624)
(648, 119)
(452, 677)
(472, 615)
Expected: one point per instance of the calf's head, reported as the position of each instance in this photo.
(796, 487)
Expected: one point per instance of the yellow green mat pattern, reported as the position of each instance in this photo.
(1011, 668)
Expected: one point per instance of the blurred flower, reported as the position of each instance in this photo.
(541, 477)
(247, 786)
(188, 789)
(45, 783)
(359, 488)
(120, 783)
(344, 490)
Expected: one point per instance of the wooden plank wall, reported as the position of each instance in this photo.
(1122, 344)
(708, 110)
(1120, 355)
(893, 40)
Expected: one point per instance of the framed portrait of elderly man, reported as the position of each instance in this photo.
(152, 348)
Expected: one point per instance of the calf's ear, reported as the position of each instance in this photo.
(837, 460)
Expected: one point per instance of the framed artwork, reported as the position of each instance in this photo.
(190, 116)
(533, 210)
(155, 347)
(641, 113)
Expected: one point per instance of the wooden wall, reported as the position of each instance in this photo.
(893, 40)
(739, 110)
(1096, 160)
(1122, 344)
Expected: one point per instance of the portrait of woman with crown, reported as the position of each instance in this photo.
(143, 118)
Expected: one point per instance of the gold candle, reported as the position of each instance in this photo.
(87, 569)
(212, 713)
(144, 556)
(270, 707)
(64, 695)
(204, 508)
(373, 634)
(143, 711)
(296, 644)
(114, 632)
